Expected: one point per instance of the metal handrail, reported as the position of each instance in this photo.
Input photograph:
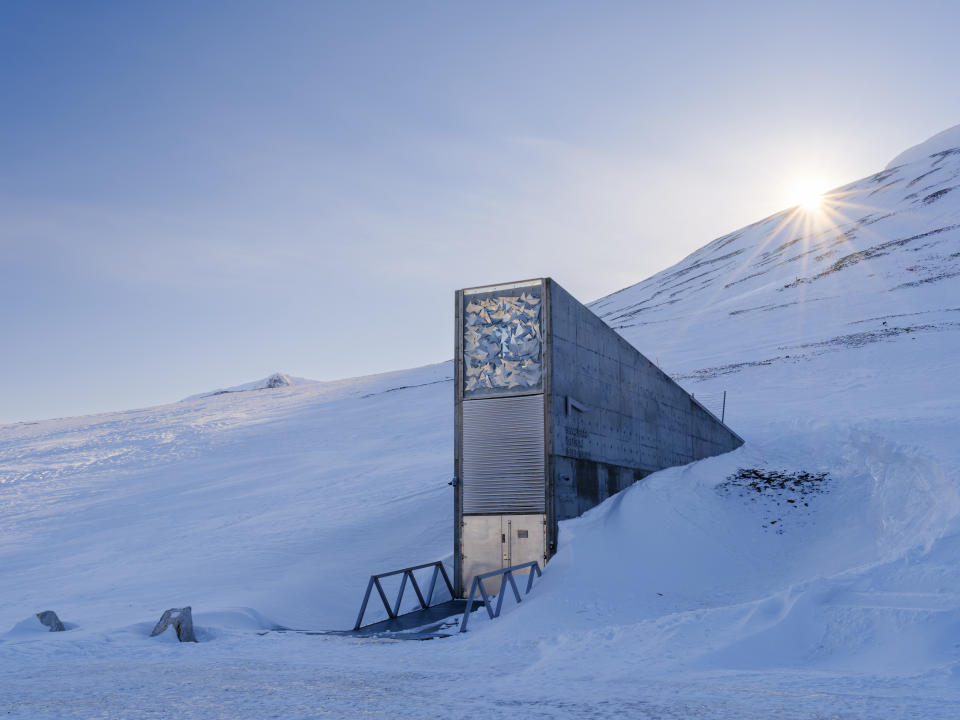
(507, 576)
(394, 611)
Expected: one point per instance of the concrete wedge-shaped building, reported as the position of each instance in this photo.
(554, 412)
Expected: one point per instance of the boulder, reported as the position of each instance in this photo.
(50, 619)
(182, 621)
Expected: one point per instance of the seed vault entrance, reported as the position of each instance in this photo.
(554, 412)
(501, 429)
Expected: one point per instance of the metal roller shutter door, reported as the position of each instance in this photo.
(503, 455)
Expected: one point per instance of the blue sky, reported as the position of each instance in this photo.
(195, 195)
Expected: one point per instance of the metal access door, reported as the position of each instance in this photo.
(491, 542)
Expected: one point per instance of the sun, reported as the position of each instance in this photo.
(808, 194)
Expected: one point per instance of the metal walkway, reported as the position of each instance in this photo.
(393, 612)
(440, 619)
(436, 621)
(431, 620)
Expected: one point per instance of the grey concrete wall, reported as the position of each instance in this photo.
(634, 419)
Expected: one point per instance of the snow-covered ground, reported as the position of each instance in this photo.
(701, 592)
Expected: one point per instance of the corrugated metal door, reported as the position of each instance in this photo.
(503, 455)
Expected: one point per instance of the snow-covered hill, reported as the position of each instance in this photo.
(812, 573)
(277, 380)
(878, 263)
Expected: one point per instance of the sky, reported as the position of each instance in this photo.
(197, 194)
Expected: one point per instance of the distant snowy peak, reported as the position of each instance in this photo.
(943, 142)
(277, 380)
(879, 261)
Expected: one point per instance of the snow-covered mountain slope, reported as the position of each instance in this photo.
(811, 573)
(875, 264)
(223, 498)
(864, 293)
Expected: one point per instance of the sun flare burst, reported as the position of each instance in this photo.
(808, 194)
(817, 224)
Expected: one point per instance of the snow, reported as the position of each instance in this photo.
(944, 141)
(837, 344)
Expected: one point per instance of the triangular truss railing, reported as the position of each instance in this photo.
(394, 611)
(507, 573)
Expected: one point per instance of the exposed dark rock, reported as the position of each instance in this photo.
(276, 380)
(934, 196)
(772, 486)
(921, 177)
(869, 253)
(50, 619)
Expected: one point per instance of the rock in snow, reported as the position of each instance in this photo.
(182, 621)
(50, 619)
(277, 380)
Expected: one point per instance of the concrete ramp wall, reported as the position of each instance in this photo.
(554, 412)
(615, 417)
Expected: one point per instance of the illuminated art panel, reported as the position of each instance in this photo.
(502, 343)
